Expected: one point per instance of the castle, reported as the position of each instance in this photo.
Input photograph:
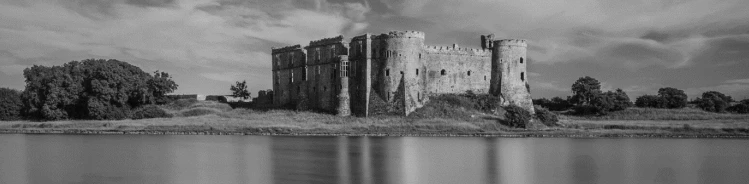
(395, 73)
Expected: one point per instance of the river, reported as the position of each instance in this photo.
(27, 158)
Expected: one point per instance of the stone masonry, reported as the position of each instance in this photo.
(395, 73)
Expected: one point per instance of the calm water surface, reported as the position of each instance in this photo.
(262, 159)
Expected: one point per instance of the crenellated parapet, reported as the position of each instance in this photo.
(454, 50)
(511, 42)
(327, 41)
(405, 34)
(285, 49)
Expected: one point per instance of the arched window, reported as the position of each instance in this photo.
(522, 76)
(521, 59)
(469, 73)
(443, 72)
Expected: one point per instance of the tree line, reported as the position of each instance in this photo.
(588, 99)
(88, 89)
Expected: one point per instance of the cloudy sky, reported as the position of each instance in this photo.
(636, 45)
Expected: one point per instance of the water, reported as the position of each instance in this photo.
(262, 159)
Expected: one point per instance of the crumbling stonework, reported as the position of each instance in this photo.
(395, 73)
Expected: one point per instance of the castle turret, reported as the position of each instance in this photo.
(509, 78)
(400, 83)
(344, 107)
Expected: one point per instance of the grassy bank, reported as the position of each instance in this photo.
(442, 117)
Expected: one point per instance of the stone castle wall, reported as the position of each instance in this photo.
(395, 73)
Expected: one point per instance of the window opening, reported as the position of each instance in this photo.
(521, 59)
(443, 72)
(522, 76)
(417, 72)
(469, 73)
(387, 72)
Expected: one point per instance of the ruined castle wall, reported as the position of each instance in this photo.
(288, 69)
(464, 69)
(359, 80)
(323, 83)
(510, 78)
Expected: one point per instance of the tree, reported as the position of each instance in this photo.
(714, 101)
(620, 98)
(10, 104)
(90, 89)
(239, 90)
(160, 85)
(585, 90)
(674, 98)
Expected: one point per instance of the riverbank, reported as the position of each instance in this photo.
(291, 123)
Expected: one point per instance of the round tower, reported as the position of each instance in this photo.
(509, 74)
(398, 77)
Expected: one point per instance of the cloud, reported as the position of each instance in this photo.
(740, 81)
(736, 90)
(216, 38)
(663, 33)
(553, 86)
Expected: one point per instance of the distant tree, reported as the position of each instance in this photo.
(741, 108)
(161, 84)
(239, 90)
(674, 98)
(585, 90)
(714, 101)
(620, 98)
(90, 89)
(651, 101)
(10, 104)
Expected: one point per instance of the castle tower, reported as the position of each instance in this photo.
(400, 85)
(344, 107)
(509, 74)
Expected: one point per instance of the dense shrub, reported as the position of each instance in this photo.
(673, 98)
(713, 101)
(198, 112)
(667, 97)
(741, 108)
(516, 116)
(150, 111)
(546, 117)
(483, 102)
(10, 104)
(651, 101)
(91, 89)
(555, 104)
(604, 103)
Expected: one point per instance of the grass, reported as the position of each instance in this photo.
(441, 116)
(663, 114)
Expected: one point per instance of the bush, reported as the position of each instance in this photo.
(546, 117)
(673, 98)
(199, 112)
(181, 104)
(10, 104)
(650, 101)
(713, 101)
(150, 111)
(741, 108)
(517, 117)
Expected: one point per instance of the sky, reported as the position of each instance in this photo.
(207, 45)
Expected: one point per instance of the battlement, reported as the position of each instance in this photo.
(285, 49)
(511, 42)
(363, 37)
(406, 34)
(456, 50)
(327, 41)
